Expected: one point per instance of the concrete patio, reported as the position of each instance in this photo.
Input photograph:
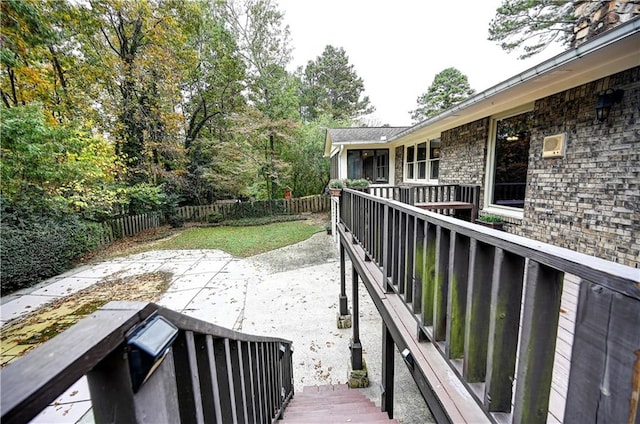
(290, 292)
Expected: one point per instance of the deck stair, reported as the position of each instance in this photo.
(334, 404)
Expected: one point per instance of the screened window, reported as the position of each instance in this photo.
(370, 164)
(422, 161)
(511, 159)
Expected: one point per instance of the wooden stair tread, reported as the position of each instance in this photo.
(332, 403)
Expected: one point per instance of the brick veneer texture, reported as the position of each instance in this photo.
(589, 200)
(463, 154)
(399, 165)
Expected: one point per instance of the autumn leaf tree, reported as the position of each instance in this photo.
(263, 43)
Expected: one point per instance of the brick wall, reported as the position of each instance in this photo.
(589, 200)
(463, 152)
(399, 165)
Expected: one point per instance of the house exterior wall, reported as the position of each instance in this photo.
(463, 152)
(589, 200)
(398, 165)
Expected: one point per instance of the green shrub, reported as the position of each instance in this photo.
(36, 250)
(215, 218)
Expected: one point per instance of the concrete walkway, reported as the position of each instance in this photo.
(290, 292)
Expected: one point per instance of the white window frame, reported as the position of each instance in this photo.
(489, 173)
(428, 162)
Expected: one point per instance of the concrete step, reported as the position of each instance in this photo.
(332, 403)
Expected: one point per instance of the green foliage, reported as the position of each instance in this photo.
(143, 198)
(336, 184)
(309, 170)
(215, 218)
(357, 183)
(330, 86)
(48, 167)
(449, 87)
(39, 249)
(530, 26)
(490, 218)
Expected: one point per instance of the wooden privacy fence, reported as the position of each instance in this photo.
(308, 204)
(209, 373)
(490, 303)
(131, 225)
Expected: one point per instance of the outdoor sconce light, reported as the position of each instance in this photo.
(148, 345)
(408, 358)
(607, 99)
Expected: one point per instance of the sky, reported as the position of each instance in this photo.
(398, 46)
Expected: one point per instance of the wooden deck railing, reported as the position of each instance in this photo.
(490, 303)
(444, 193)
(210, 374)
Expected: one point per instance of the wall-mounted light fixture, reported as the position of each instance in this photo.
(148, 344)
(606, 100)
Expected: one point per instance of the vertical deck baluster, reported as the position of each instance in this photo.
(277, 364)
(387, 247)
(395, 234)
(230, 378)
(206, 386)
(239, 379)
(457, 294)
(213, 378)
(225, 392)
(402, 254)
(441, 286)
(271, 404)
(506, 294)
(409, 261)
(195, 376)
(540, 318)
(478, 312)
(429, 275)
(258, 375)
(418, 264)
(247, 361)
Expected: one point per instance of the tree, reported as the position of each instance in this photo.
(531, 25)
(449, 88)
(263, 42)
(329, 85)
(48, 167)
(309, 172)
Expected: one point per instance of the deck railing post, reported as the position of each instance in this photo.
(478, 309)
(506, 294)
(356, 346)
(388, 351)
(538, 344)
(343, 284)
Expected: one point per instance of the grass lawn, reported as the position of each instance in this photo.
(243, 241)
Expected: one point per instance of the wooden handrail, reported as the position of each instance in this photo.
(464, 285)
(209, 373)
